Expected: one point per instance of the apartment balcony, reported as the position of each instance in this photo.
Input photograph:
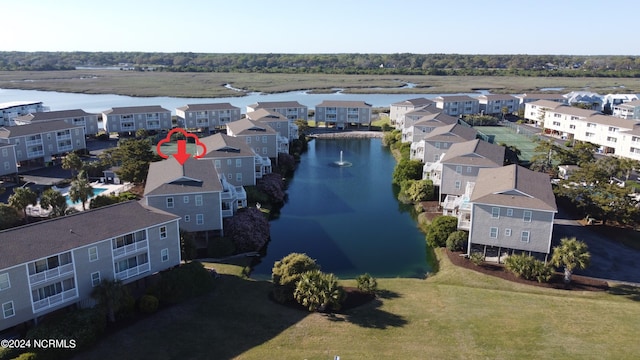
(464, 224)
(35, 154)
(33, 142)
(63, 137)
(130, 249)
(154, 117)
(153, 125)
(51, 274)
(134, 271)
(227, 213)
(55, 300)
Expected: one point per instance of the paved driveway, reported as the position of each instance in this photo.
(609, 260)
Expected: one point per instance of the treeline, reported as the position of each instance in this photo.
(409, 64)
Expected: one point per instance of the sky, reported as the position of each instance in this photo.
(565, 27)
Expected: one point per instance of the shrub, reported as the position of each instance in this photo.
(248, 229)
(148, 304)
(457, 240)
(440, 229)
(527, 267)
(407, 170)
(273, 186)
(286, 273)
(367, 283)
(182, 283)
(420, 190)
(476, 258)
(318, 291)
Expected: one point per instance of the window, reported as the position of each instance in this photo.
(217, 164)
(7, 165)
(493, 232)
(507, 232)
(4, 281)
(239, 177)
(613, 129)
(131, 263)
(185, 199)
(187, 218)
(524, 236)
(169, 202)
(93, 253)
(128, 239)
(164, 255)
(495, 212)
(199, 219)
(437, 145)
(229, 162)
(458, 185)
(556, 123)
(459, 169)
(611, 139)
(7, 310)
(526, 217)
(238, 163)
(469, 169)
(5, 152)
(198, 200)
(163, 232)
(248, 139)
(509, 212)
(95, 279)
(264, 139)
(264, 151)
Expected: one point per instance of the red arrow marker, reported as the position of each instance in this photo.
(182, 155)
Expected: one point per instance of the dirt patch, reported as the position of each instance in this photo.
(581, 283)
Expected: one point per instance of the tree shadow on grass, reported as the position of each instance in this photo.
(387, 294)
(370, 316)
(628, 291)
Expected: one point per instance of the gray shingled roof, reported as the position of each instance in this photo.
(276, 104)
(439, 117)
(249, 127)
(343, 103)
(205, 107)
(35, 128)
(453, 132)
(495, 97)
(450, 98)
(265, 115)
(135, 110)
(414, 102)
(53, 115)
(572, 110)
(514, 186)
(609, 120)
(169, 177)
(224, 146)
(34, 241)
(475, 153)
(547, 104)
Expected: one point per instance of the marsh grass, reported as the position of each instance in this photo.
(454, 314)
(195, 85)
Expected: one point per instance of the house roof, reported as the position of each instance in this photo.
(495, 97)
(514, 186)
(266, 115)
(53, 115)
(224, 146)
(275, 104)
(629, 104)
(414, 102)
(609, 120)
(35, 128)
(424, 110)
(135, 110)
(547, 104)
(169, 177)
(433, 119)
(45, 238)
(451, 98)
(453, 132)
(210, 106)
(10, 104)
(343, 103)
(249, 127)
(572, 110)
(475, 153)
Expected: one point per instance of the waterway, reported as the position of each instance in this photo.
(96, 103)
(347, 218)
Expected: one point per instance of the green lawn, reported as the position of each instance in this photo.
(455, 314)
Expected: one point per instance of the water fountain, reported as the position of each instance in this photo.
(341, 162)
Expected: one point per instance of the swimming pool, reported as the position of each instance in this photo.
(96, 192)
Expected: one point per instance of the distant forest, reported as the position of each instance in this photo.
(409, 64)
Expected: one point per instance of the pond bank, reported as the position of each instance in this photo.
(344, 134)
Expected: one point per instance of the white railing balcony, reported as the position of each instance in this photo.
(33, 142)
(464, 224)
(353, 112)
(65, 148)
(202, 122)
(331, 111)
(134, 271)
(78, 122)
(227, 213)
(63, 137)
(240, 193)
(153, 117)
(51, 274)
(54, 300)
(131, 248)
(34, 154)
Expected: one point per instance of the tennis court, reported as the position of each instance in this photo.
(512, 134)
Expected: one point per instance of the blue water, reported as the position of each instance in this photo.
(347, 218)
(96, 191)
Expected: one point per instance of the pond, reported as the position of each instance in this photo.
(347, 217)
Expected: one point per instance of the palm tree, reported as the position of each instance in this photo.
(319, 291)
(54, 200)
(72, 162)
(80, 190)
(571, 254)
(111, 294)
(21, 198)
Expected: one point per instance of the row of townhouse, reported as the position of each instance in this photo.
(53, 264)
(506, 209)
(10, 110)
(614, 135)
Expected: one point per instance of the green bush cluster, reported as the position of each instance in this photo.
(318, 291)
(476, 258)
(528, 267)
(440, 229)
(286, 273)
(182, 283)
(457, 240)
(367, 283)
